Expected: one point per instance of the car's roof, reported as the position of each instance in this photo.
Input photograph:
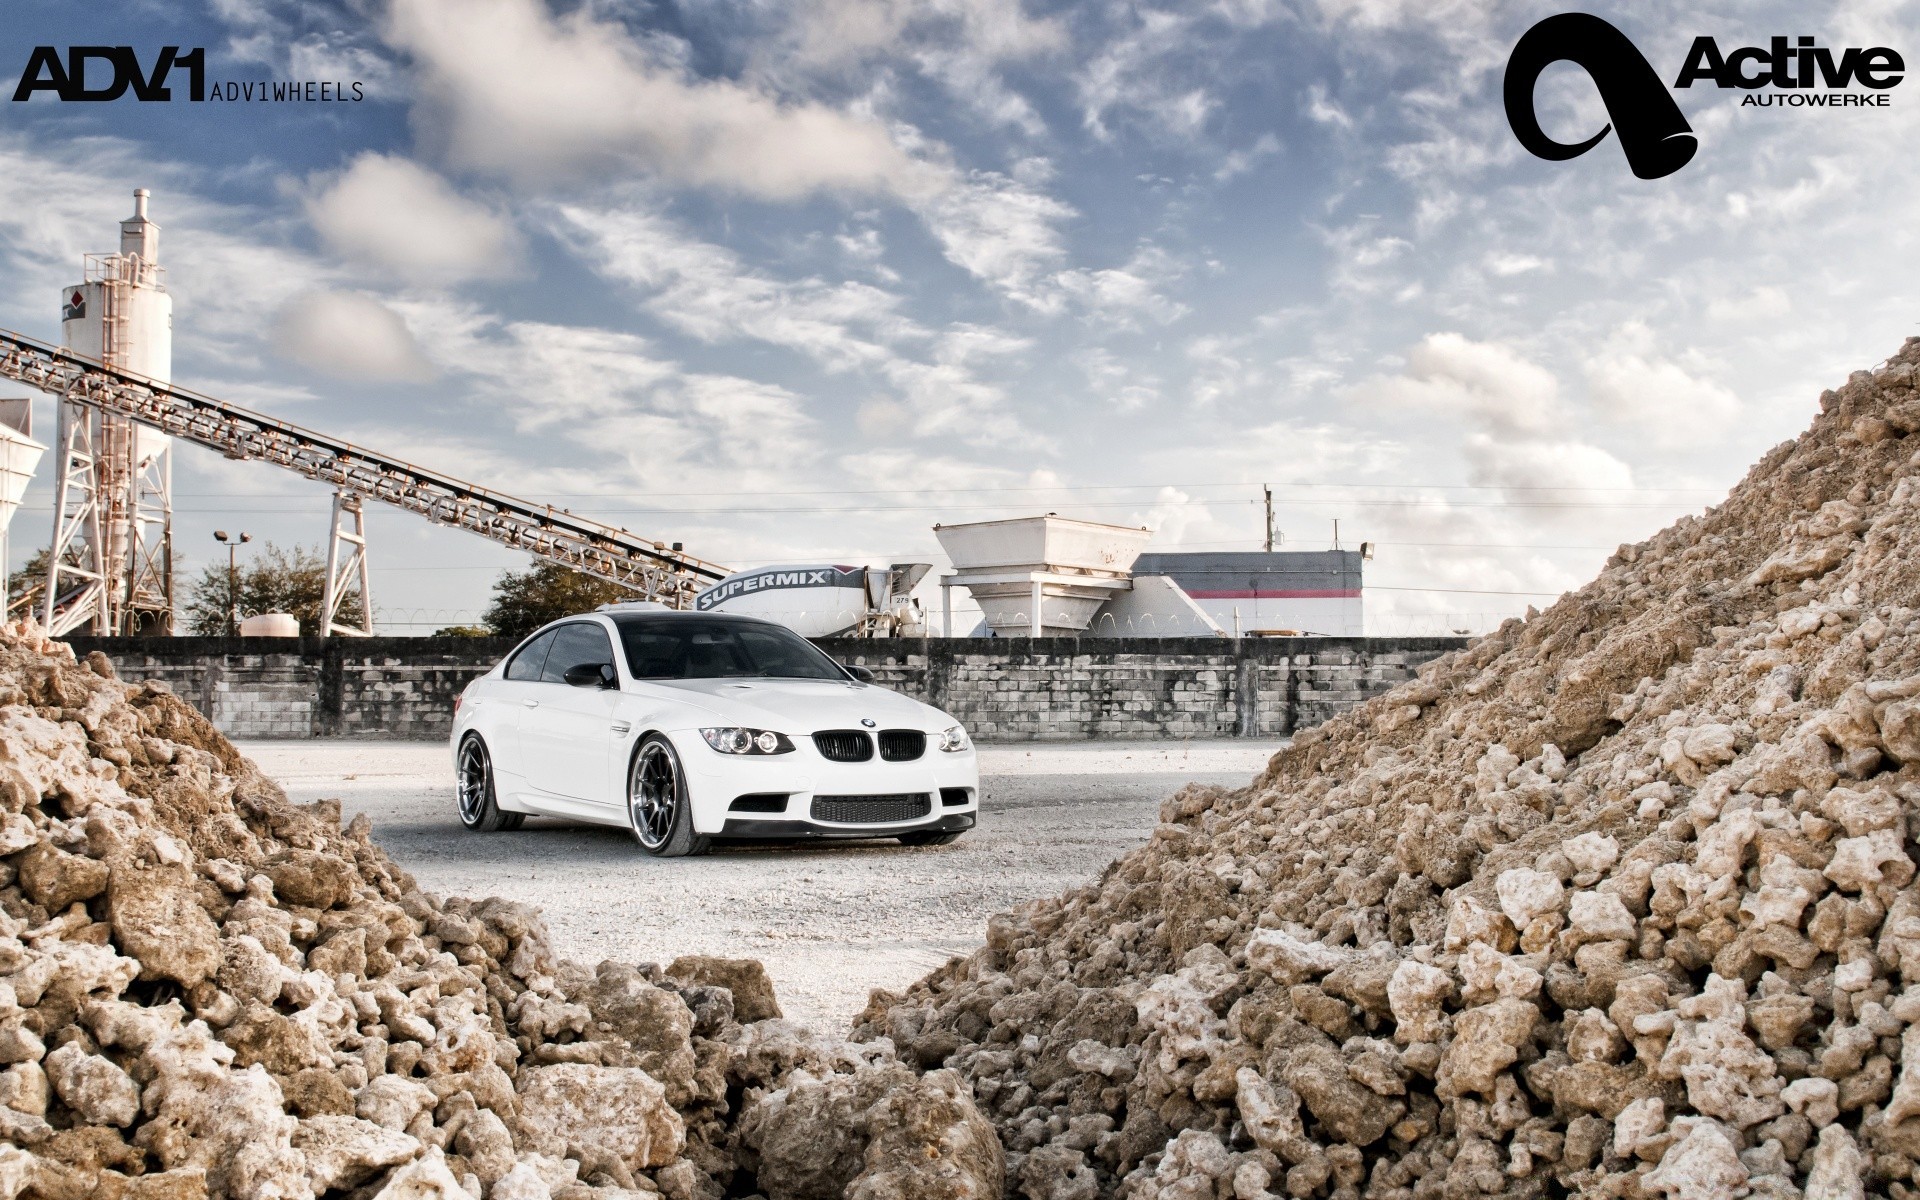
(663, 615)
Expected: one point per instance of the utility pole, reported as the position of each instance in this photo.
(233, 577)
(1336, 533)
(1266, 488)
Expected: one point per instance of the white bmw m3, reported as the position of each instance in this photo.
(693, 727)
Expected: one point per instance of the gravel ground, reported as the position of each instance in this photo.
(830, 922)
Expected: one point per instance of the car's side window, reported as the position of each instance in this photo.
(579, 644)
(525, 666)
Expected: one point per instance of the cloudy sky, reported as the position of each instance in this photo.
(792, 280)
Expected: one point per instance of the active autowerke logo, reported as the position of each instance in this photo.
(1653, 132)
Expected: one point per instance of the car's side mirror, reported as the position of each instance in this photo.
(860, 673)
(593, 675)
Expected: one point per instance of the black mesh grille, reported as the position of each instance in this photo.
(844, 745)
(872, 810)
(902, 745)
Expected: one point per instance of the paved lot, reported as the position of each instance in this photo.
(830, 922)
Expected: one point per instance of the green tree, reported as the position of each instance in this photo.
(523, 601)
(270, 580)
(28, 580)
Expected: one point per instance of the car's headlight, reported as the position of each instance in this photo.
(954, 739)
(732, 739)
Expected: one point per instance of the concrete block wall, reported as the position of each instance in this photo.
(399, 688)
(1002, 689)
(1070, 689)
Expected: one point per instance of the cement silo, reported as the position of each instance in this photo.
(111, 570)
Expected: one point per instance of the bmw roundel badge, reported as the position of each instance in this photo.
(869, 722)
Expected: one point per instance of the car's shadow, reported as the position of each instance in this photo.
(1020, 805)
(549, 839)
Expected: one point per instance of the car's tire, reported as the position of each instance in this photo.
(473, 790)
(657, 808)
(930, 837)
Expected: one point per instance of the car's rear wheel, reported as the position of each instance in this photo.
(473, 786)
(930, 837)
(657, 806)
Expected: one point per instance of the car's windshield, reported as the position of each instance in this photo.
(662, 647)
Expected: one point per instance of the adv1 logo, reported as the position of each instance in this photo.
(46, 73)
(1654, 134)
(80, 76)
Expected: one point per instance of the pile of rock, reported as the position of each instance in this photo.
(1620, 901)
(208, 991)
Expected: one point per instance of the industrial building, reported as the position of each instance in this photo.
(1270, 591)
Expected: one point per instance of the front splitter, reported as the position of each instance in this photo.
(788, 831)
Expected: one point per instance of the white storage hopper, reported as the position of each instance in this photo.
(1041, 576)
(282, 625)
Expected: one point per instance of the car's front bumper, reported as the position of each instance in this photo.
(717, 781)
(785, 830)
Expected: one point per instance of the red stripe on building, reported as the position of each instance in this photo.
(1328, 594)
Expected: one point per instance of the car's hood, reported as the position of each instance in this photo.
(800, 705)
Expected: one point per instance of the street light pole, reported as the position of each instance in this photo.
(233, 577)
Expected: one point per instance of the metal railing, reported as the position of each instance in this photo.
(556, 536)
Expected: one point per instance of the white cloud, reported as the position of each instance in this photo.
(1002, 230)
(1123, 385)
(398, 217)
(1483, 382)
(1239, 162)
(1761, 303)
(961, 44)
(1175, 517)
(507, 87)
(1661, 401)
(706, 291)
(1129, 74)
(1508, 265)
(1531, 465)
(1122, 295)
(830, 32)
(348, 336)
(966, 343)
(1325, 110)
(611, 394)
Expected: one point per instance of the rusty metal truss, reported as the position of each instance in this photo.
(552, 535)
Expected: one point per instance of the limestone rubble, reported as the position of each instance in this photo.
(1619, 901)
(209, 992)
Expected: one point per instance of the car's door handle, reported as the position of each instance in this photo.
(622, 727)
(531, 703)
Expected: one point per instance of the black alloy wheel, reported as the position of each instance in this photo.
(473, 788)
(657, 808)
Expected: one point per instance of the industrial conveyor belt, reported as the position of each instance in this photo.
(603, 551)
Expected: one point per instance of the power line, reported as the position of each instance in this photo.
(764, 510)
(1074, 487)
(1381, 587)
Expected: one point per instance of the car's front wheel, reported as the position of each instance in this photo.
(473, 785)
(657, 807)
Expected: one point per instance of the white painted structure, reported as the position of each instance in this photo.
(19, 455)
(284, 625)
(111, 569)
(1038, 576)
(1156, 607)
